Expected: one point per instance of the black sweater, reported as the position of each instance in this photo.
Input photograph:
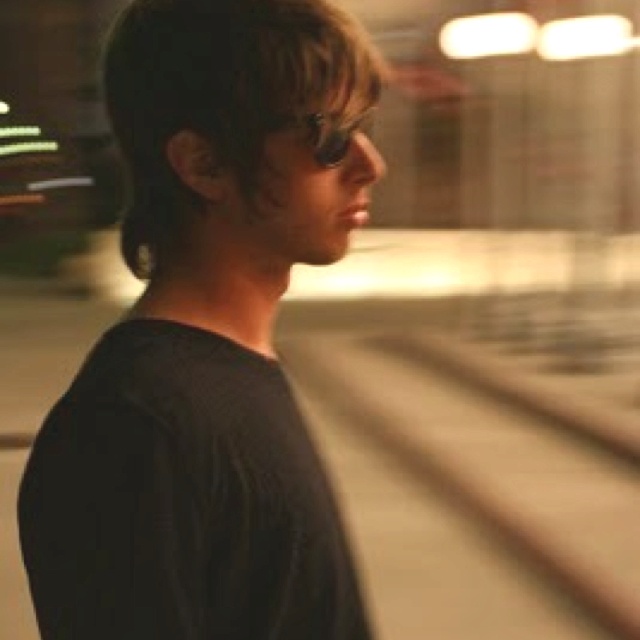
(174, 493)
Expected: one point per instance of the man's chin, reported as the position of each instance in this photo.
(324, 258)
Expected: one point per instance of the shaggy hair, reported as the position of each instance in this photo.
(226, 69)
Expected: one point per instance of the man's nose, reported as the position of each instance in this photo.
(367, 163)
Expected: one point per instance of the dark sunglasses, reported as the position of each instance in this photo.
(329, 135)
(331, 138)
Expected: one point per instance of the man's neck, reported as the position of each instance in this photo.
(238, 304)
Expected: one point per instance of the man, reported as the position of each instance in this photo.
(173, 492)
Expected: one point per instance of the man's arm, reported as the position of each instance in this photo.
(112, 533)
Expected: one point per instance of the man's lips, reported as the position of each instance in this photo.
(356, 209)
(356, 215)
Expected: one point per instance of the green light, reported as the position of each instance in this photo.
(18, 132)
(4, 108)
(29, 147)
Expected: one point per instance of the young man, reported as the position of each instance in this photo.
(173, 492)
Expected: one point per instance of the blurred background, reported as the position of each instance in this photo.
(471, 370)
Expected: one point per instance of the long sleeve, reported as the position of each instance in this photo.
(112, 530)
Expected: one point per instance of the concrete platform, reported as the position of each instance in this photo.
(568, 512)
(428, 572)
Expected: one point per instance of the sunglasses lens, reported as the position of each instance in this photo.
(331, 142)
(333, 148)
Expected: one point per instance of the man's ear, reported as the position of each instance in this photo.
(193, 159)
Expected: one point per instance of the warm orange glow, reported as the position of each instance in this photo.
(32, 198)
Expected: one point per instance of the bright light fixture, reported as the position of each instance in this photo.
(585, 37)
(19, 132)
(493, 34)
(4, 108)
(28, 147)
(61, 183)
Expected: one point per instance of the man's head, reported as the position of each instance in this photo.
(230, 72)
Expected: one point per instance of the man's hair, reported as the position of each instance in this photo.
(224, 69)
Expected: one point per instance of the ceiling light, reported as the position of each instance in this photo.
(492, 34)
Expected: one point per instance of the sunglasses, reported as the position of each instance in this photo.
(330, 136)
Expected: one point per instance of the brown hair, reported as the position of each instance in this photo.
(225, 69)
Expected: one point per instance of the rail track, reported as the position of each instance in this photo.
(565, 514)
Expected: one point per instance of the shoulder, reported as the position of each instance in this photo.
(89, 447)
(83, 431)
(179, 375)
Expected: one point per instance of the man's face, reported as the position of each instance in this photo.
(304, 212)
